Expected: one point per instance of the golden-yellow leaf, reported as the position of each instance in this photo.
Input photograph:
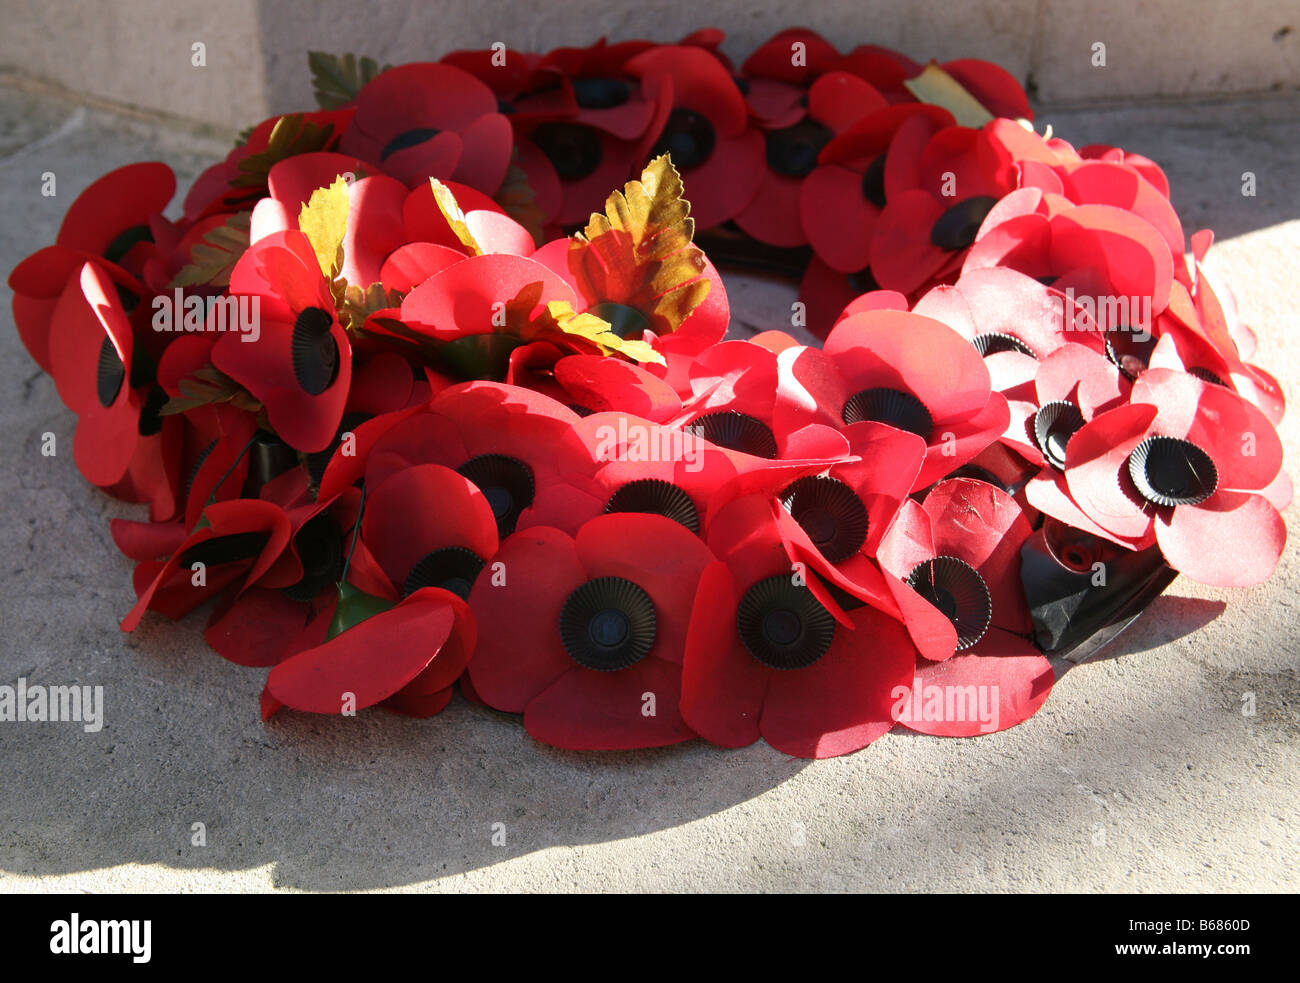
(324, 220)
(451, 211)
(559, 316)
(938, 88)
(639, 252)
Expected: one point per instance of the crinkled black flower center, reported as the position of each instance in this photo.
(688, 136)
(959, 592)
(110, 373)
(892, 406)
(608, 624)
(506, 483)
(830, 513)
(315, 352)
(656, 497)
(736, 431)
(1053, 426)
(956, 228)
(453, 568)
(783, 625)
(792, 151)
(1172, 471)
(995, 342)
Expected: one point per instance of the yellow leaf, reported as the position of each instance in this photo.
(451, 211)
(640, 254)
(559, 318)
(938, 88)
(324, 220)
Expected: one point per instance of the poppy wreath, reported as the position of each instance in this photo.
(429, 388)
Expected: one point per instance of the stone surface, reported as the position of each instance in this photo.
(1140, 774)
(139, 52)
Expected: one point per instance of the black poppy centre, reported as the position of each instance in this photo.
(1172, 471)
(892, 406)
(783, 625)
(735, 431)
(656, 497)
(608, 624)
(506, 483)
(957, 226)
(314, 351)
(830, 512)
(688, 136)
(452, 568)
(959, 592)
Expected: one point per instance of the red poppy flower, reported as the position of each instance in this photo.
(405, 657)
(239, 542)
(122, 442)
(1201, 331)
(743, 401)
(113, 224)
(300, 364)
(470, 297)
(910, 372)
(428, 120)
(836, 521)
(960, 551)
(841, 200)
(518, 446)
(836, 101)
(1071, 386)
(765, 657)
(777, 75)
(375, 225)
(416, 546)
(578, 126)
(606, 615)
(703, 124)
(947, 185)
(410, 552)
(262, 624)
(1014, 322)
(1188, 459)
(1096, 251)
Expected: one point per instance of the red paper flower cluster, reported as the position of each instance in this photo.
(401, 446)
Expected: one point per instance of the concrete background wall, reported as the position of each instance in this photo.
(138, 52)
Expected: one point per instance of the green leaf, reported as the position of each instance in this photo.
(292, 135)
(206, 386)
(337, 79)
(212, 259)
(517, 197)
(354, 606)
